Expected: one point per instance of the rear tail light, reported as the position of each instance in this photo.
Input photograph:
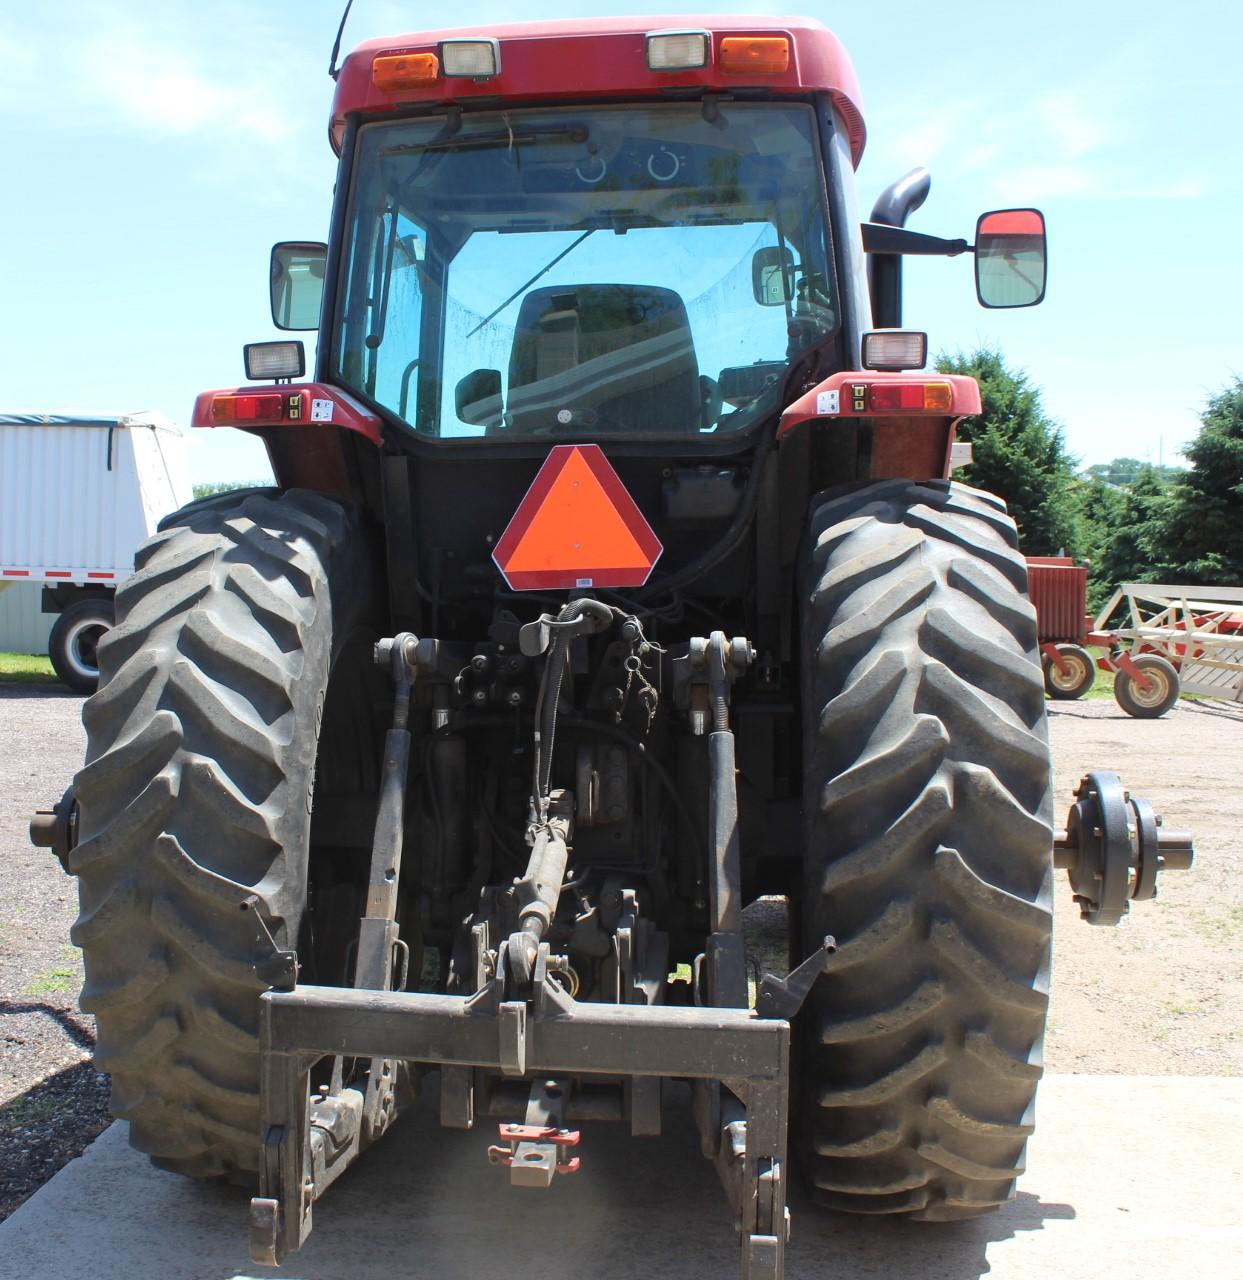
(907, 397)
(755, 55)
(247, 408)
(396, 71)
(677, 50)
(478, 59)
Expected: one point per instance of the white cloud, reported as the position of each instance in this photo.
(1191, 189)
(923, 142)
(1060, 181)
(1045, 182)
(153, 85)
(981, 157)
(1069, 144)
(1074, 128)
(173, 78)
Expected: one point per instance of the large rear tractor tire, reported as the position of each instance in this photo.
(195, 807)
(928, 852)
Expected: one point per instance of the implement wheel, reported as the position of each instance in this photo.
(1147, 702)
(1076, 680)
(928, 852)
(195, 807)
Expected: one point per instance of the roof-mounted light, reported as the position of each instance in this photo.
(755, 55)
(677, 50)
(476, 59)
(895, 349)
(396, 71)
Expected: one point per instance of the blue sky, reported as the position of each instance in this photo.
(154, 151)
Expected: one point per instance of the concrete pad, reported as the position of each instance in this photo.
(1129, 1177)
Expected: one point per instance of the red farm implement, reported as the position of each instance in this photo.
(1159, 640)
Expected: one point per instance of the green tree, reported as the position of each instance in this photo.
(1125, 471)
(1100, 509)
(223, 486)
(1019, 454)
(1136, 548)
(1206, 518)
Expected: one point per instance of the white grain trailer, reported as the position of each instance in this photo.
(78, 493)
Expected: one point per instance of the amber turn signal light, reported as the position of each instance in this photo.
(755, 55)
(397, 71)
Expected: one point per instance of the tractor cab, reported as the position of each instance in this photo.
(595, 230)
(632, 270)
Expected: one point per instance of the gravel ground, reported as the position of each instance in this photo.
(1161, 994)
(52, 1103)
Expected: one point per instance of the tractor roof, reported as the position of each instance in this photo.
(573, 60)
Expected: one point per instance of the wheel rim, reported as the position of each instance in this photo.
(81, 646)
(1155, 692)
(1071, 678)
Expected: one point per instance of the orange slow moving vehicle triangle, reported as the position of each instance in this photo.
(577, 527)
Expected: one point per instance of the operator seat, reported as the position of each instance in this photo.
(603, 357)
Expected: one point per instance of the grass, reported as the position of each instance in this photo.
(1226, 926)
(26, 668)
(55, 980)
(27, 1110)
(1103, 687)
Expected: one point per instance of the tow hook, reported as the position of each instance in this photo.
(57, 828)
(532, 1150)
(1113, 847)
(539, 1148)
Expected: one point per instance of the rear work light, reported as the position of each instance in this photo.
(677, 50)
(476, 59)
(895, 349)
(247, 408)
(755, 55)
(396, 71)
(267, 361)
(905, 397)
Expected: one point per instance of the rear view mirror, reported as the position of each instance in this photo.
(478, 398)
(1010, 258)
(772, 276)
(297, 283)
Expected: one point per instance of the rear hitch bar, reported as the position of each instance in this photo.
(546, 1038)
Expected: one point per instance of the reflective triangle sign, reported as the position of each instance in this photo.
(577, 527)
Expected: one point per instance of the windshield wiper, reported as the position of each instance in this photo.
(512, 137)
(522, 288)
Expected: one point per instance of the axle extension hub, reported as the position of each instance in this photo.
(1113, 847)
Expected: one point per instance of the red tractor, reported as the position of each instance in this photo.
(612, 579)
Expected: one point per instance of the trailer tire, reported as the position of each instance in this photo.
(195, 807)
(73, 643)
(928, 853)
(1066, 686)
(1160, 695)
